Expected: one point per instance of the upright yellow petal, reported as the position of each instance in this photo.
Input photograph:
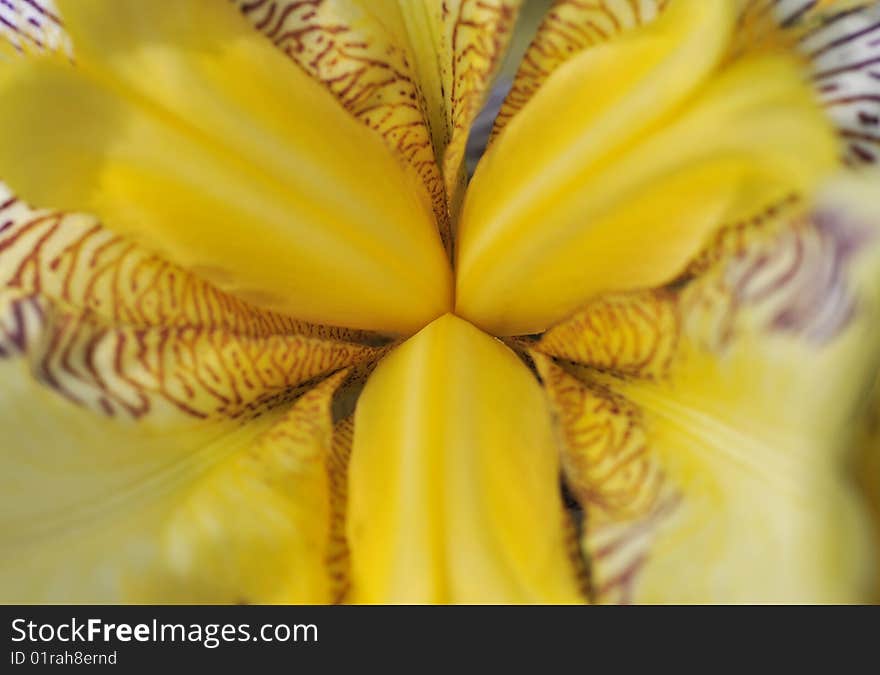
(570, 27)
(458, 47)
(183, 127)
(454, 493)
(842, 43)
(713, 456)
(359, 50)
(625, 161)
(258, 527)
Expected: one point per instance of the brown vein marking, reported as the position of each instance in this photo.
(734, 239)
(795, 282)
(338, 557)
(614, 474)
(29, 25)
(633, 334)
(570, 27)
(843, 49)
(74, 260)
(117, 329)
(477, 33)
(366, 70)
(121, 370)
(841, 43)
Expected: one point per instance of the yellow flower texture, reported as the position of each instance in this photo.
(261, 340)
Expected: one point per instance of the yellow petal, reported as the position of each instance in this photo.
(416, 72)
(183, 127)
(838, 40)
(125, 379)
(713, 466)
(359, 50)
(257, 528)
(458, 47)
(586, 193)
(109, 434)
(570, 27)
(868, 468)
(454, 478)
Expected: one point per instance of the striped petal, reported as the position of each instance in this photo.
(415, 72)
(128, 385)
(181, 127)
(359, 51)
(454, 478)
(628, 158)
(31, 27)
(843, 45)
(706, 425)
(570, 27)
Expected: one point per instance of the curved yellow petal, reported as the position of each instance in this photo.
(713, 461)
(570, 27)
(359, 50)
(626, 160)
(183, 127)
(125, 380)
(259, 527)
(164, 509)
(458, 47)
(453, 481)
(474, 39)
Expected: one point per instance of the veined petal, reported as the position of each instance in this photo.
(359, 50)
(454, 493)
(570, 27)
(182, 127)
(73, 260)
(717, 470)
(126, 379)
(641, 177)
(458, 47)
(101, 510)
(29, 27)
(839, 41)
(473, 42)
(258, 528)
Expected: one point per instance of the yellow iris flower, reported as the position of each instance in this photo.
(261, 342)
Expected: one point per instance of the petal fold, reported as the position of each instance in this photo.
(359, 50)
(715, 465)
(570, 27)
(182, 127)
(126, 381)
(454, 493)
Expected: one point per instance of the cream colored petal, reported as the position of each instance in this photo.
(31, 27)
